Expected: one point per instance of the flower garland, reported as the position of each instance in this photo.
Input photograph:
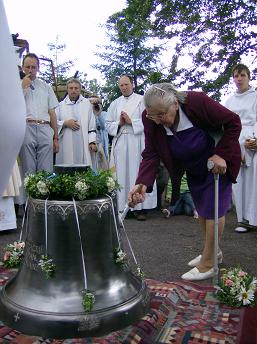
(237, 288)
(47, 266)
(80, 186)
(88, 300)
(13, 254)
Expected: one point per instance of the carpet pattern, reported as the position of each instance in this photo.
(181, 312)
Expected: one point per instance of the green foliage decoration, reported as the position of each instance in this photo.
(88, 300)
(47, 266)
(80, 186)
(13, 254)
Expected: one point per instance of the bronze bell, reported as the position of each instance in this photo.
(81, 240)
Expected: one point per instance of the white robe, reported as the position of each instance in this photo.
(245, 190)
(7, 212)
(12, 109)
(74, 144)
(127, 146)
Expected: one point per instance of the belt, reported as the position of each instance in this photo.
(37, 121)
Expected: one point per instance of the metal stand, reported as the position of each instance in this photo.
(216, 228)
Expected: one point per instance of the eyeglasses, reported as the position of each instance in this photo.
(156, 117)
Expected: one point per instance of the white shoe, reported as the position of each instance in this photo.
(195, 275)
(241, 229)
(194, 262)
(166, 213)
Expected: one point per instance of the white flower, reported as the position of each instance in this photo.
(121, 256)
(26, 180)
(110, 184)
(81, 187)
(42, 187)
(246, 296)
(253, 285)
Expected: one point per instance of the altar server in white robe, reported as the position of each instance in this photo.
(7, 210)
(244, 103)
(124, 123)
(77, 127)
(12, 109)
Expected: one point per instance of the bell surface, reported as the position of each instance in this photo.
(82, 248)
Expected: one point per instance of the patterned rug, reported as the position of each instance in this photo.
(181, 312)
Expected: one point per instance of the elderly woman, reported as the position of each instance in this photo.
(180, 130)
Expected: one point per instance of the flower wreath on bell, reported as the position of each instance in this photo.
(237, 288)
(79, 186)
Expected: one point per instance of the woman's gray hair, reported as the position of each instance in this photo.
(165, 92)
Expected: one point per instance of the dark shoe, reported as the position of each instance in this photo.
(130, 215)
(141, 217)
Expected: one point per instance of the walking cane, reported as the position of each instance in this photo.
(124, 213)
(210, 165)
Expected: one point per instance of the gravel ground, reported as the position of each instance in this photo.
(163, 247)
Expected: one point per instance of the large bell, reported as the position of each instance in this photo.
(81, 239)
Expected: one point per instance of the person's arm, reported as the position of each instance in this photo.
(92, 132)
(53, 124)
(151, 160)
(136, 120)
(112, 124)
(210, 115)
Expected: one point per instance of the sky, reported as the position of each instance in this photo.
(75, 22)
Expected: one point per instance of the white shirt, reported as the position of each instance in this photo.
(39, 100)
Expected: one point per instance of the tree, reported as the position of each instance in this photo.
(131, 50)
(212, 35)
(57, 71)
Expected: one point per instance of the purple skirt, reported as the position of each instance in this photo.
(192, 148)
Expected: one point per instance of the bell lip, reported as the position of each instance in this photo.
(80, 324)
(143, 293)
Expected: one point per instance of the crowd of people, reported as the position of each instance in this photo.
(164, 129)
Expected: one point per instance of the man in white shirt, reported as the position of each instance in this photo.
(77, 127)
(124, 123)
(41, 138)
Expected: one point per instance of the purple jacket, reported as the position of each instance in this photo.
(205, 113)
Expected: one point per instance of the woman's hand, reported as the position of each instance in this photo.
(136, 195)
(220, 165)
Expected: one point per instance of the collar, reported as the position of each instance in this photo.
(129, 96)
(72, 102)
(183, 124)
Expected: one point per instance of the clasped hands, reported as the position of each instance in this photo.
(72, 124)
(251, 143)
(124, 119)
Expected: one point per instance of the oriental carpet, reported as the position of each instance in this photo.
(181, 312)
